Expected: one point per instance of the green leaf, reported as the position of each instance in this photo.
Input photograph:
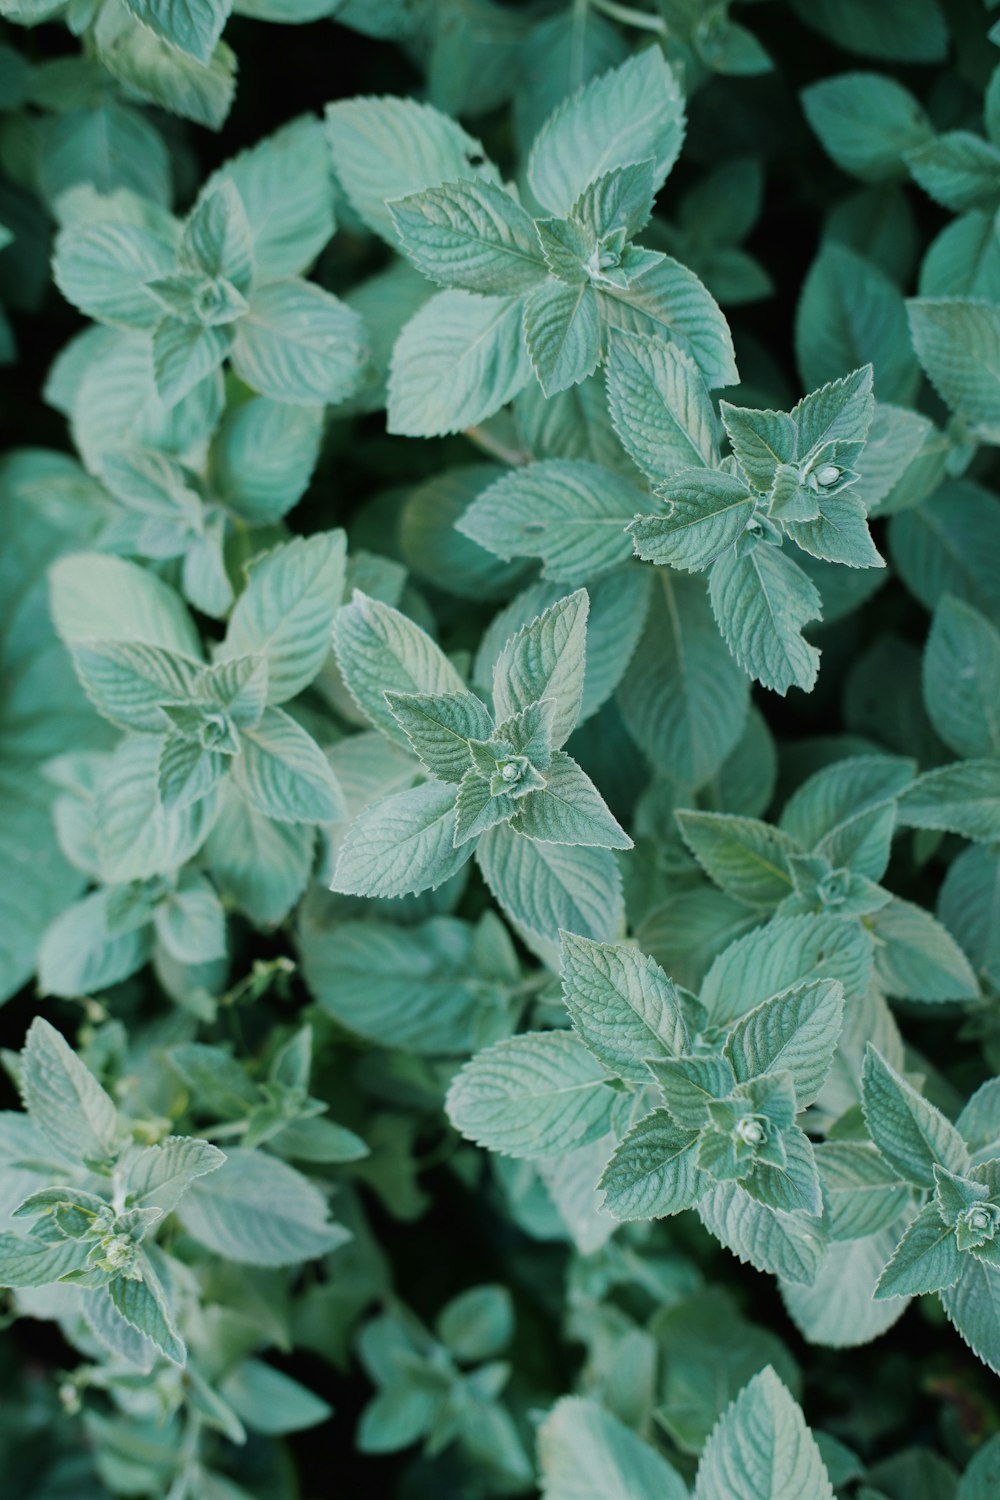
(103, 269)
(957, 340)
(157, 73)
(762, 1449)
(136, 836)
(916, 958)
(562, 332)
(546, 659)
(184, 355)
(793, 1186)
(660, 406)
(436, 989)
(569, 810)
(967, 904)
(683, 698)
(654, 1171)
(284, 774)
(626, 115)
(789, 1246)
(192, 26)
(570, 514)
(837, 1310)
(127, 683)
(439, 727)
(380, 650)
(259, 865)
(299, 343)
(795, 1032)
(893, 30)
(64, 1098)
(286, 189)
(963, 798)
(286, 611)
(160, 1175)
(839, 801)
(746, 858)
(456, 362)
(547, 888)
(98, 598)
(787, 952)
(384, 149)
(586, 1453)
(259, 1211)
(190, 921)
(862, 1193)
(622, 1005)
(761, 602)
(961, 679)
(851, 314)
(669, 303)
(271, 1402)
(402, 845)
(927, 1258)
(704, 512)
(839, 534)
(539, 1094)
(80, 955)
(946, 546)
(866, 122)
(144, 1306)
(909, 1131)
(477, 1324)
(263, 455)
(217, 238)
(28, 1261)
(973, 1308)
(470, 235)
(958, 170)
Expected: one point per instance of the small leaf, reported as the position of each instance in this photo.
(539, 1094)
(761, 1449)
(622, 1005)
(909, 1131)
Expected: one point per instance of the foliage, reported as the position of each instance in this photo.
(500, 751)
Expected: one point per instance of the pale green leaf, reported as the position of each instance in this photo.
(547, 888)
(761, 602)
(381, 650)
(622, 1005)
(653, 1172)
(539, 1094)
(571, 515)
(546, 659)
(627, 115)
(401, 845)
(301, 344)
(286, 611)
(746, 858)
(660, 406)
(259, 1211)
(283, 773)
(762, 1449)
(456, 362)
(64, 1098)
(911, 1133)
(795, 1032)
(471, 235)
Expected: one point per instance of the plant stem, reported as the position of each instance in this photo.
(640, 19)
(497, 449)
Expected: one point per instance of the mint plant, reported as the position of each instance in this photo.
(499, 749)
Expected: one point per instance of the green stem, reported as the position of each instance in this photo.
(640, 19)
(495, 448)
